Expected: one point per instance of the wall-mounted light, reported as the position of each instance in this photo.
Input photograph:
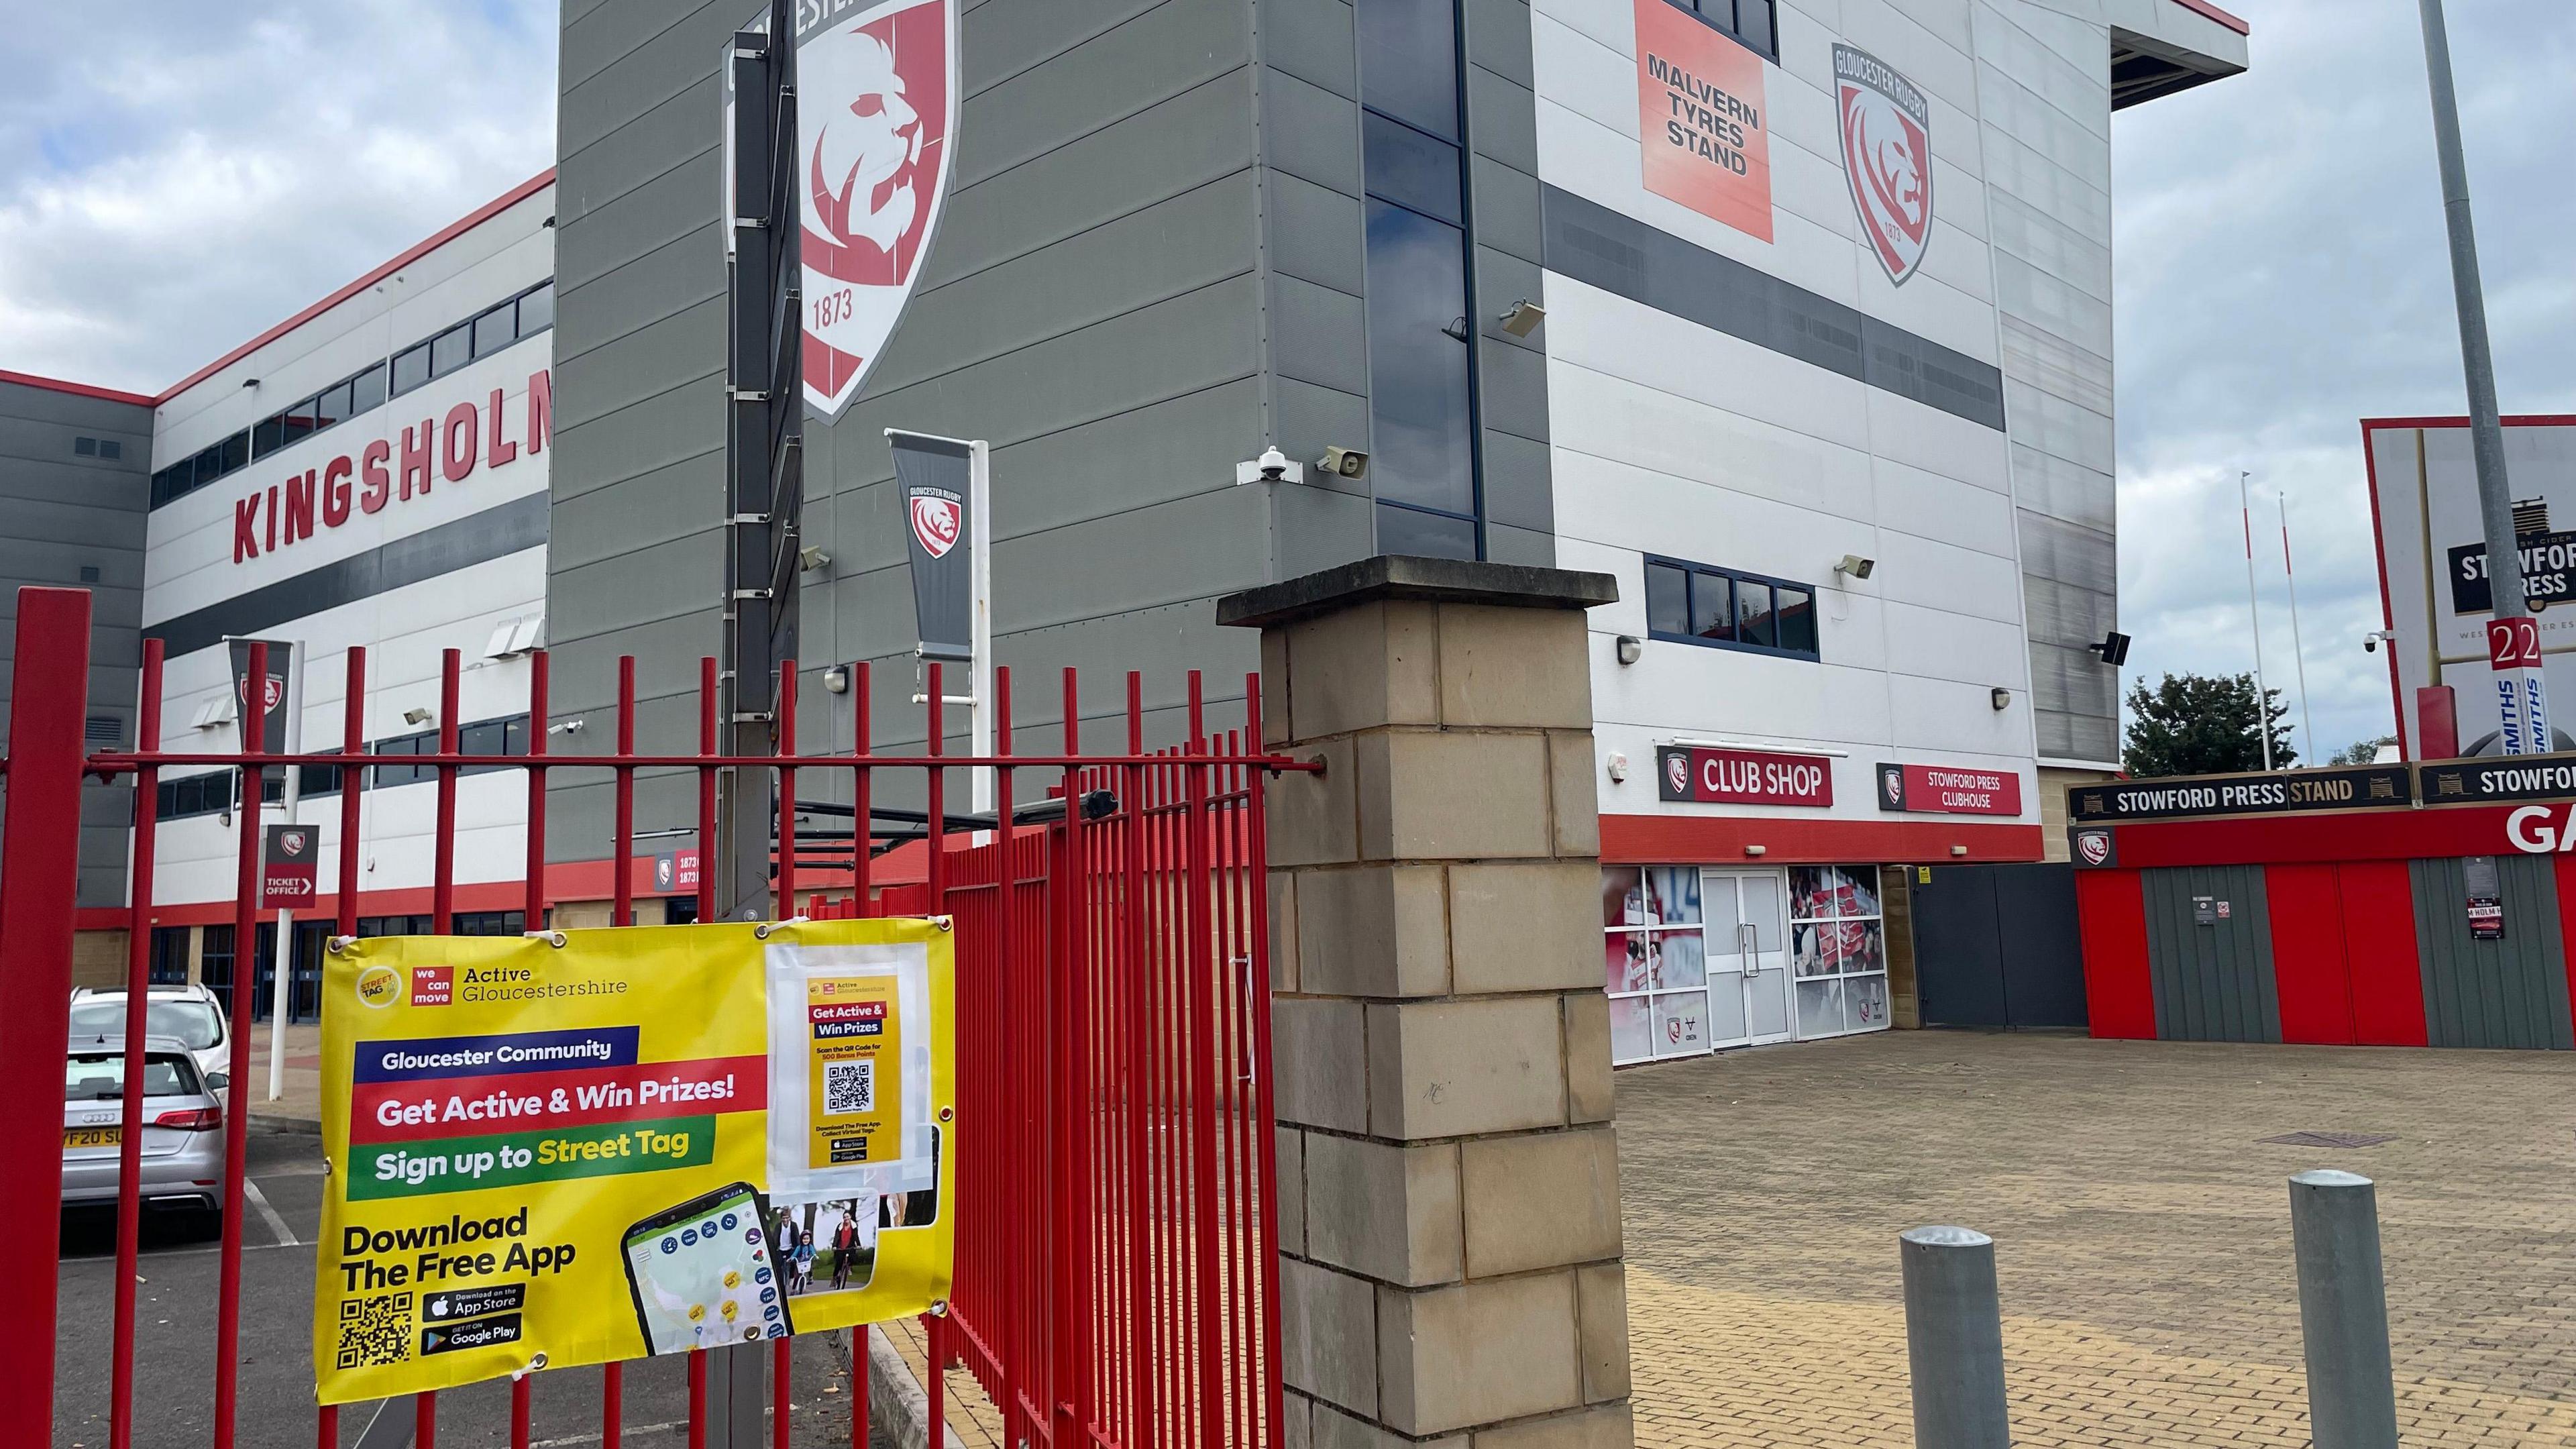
(1631, 648)
(568, 727)
(837, 679)
(417, 717)
(1617, 764)
(2002, 698)
(1522, 317)
(813, 560)
(1856, 566)
(1757, 851)
(1958, 850)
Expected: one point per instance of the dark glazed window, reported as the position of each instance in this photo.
(496, 329)
(411, 368)
(367, 390)
(1729, 609)
(333, 406)
(451, 349)
(537, 310)
(1754, 22)
(1421, 317)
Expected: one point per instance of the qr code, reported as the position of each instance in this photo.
(375, 1330)
(849, 1088)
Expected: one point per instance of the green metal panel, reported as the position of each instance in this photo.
(2510, 992)
(2212, 978)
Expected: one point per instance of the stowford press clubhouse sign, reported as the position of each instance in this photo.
(2189, 796)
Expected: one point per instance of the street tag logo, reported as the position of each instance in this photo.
(378, 986)
(1887, 153)
(876, 123)
(938, 520)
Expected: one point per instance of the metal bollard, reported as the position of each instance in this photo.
(1954, 1339)
(2343, 1309)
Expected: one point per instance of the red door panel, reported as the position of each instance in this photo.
(2387, 984)
(2119, 995)
(2308, 954)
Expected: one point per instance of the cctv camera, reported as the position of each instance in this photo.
(813, 559)
(2369, 643)
(1344, 462)
(1271, 467)
(1856, 566)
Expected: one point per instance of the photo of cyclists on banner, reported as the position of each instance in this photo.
(830, 1246)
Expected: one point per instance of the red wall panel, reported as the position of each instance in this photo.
(2308, 954)
(2387, 983)
(2119, 995)
(2567, 923)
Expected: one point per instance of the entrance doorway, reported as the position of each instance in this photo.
(1748, 959)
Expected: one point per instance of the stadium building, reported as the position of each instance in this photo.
(1793, 316)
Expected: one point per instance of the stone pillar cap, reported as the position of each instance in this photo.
(1400, 576)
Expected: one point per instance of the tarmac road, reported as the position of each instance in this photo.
(180, 1271)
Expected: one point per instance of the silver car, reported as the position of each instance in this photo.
(183, 1127)
(190, 1015)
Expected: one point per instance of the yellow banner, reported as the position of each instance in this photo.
(638, 1141)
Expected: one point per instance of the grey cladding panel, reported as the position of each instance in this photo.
(1166, 149)
(1318, 335)
(607, 447)
(623, 228)
(644, 147)
(1159, 54)
(1001, 38)
(667, 352)
(1507, 213)
(2504, 993)
(1498, 38)
(686, 270)
(1616, 253)
(1312, 40)
(2212, 980)
(1191, 241)
(1502, 119)
(1310, 132)
(1316, 234)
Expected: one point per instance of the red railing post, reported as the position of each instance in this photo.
(254, 786)
(138, 981)
(39, 881)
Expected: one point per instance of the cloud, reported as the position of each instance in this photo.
(2282, 272)
(178, 179)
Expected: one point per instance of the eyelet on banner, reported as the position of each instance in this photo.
(338, 944)
(939, 1308)
(947, 1114)
(945, 923)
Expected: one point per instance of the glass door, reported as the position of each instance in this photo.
(1748, 959)
(1840, 943)
(1655, 963)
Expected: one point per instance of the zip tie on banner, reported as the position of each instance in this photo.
(551, 938)
(761, 931)
(338, 944)
(536, 1364)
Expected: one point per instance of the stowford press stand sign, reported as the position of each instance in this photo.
(2184, 797)
(597, 1145)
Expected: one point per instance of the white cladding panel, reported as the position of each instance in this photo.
(191, 564)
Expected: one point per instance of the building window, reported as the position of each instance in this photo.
(169, 956)
(84, 447)
(1655, 962)
(1421, 310)
(1690, 603)
(1755, 23)
(1838, 949)
(215, 965)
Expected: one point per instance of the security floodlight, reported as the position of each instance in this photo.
(2002, 698)
(2114, 648)
(416, 717)
(1344, 462)
(568, 727)
(813, 560)
(1854, 565)
(1631, 648)
(1523, 317)
(837, 679)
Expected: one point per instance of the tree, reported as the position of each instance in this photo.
(2198, 724)
(2361, 752)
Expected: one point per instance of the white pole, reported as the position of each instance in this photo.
(980, 570)
(2298, 650)
(285, 955)
(2253, 605)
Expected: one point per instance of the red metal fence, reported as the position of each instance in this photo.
(1116, 1254)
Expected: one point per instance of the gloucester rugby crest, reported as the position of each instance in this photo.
(876, 125)
(938, 518)
(1887, 153)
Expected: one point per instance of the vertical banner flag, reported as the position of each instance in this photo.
(1701, 119)
(876, 122)
(638, 1141)
(287, 875)
(271, 693)
(935, 477)
(1887, 153)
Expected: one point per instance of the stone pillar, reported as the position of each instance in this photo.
(1448, 1171)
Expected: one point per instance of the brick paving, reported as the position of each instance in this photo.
(2142, 1232)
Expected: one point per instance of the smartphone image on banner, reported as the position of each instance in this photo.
(703, 1274)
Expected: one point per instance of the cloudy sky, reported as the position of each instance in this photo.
(2281, 266)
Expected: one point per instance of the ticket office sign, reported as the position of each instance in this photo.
(548, 1155)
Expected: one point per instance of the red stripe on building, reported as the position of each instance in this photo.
(2308, 966)
(2379, 951)
(440, 1108)
(76, 389)
(1726, 839)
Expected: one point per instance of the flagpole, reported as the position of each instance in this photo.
(2298, 650)
(2254, 606)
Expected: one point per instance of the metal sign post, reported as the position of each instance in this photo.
(2520, 694)
(947, 486)
(280, 998)
(764, 501)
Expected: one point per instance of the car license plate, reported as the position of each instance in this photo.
(92, 1136)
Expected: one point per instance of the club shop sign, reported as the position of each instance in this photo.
(1704, 775)
(444, 447)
